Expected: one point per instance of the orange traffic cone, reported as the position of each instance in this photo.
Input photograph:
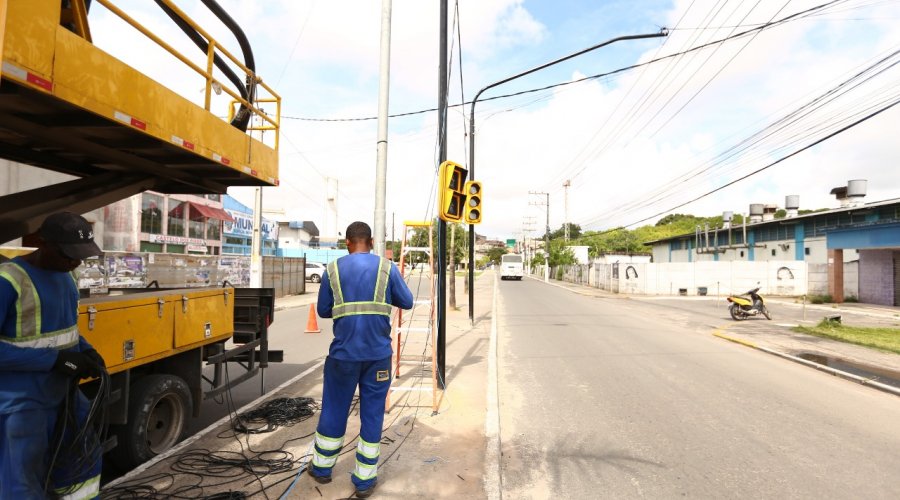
(312, 324)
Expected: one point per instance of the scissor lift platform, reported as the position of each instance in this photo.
(68, 106)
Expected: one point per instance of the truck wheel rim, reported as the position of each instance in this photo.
(164, 424)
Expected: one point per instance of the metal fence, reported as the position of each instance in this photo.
(286, 275)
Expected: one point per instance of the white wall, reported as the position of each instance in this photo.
(723, 277)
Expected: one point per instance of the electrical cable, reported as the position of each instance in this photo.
(779, 126)
(772, 164)
(79, 447)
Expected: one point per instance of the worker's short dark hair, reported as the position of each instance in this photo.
(359, 231)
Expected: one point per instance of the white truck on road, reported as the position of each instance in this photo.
(511, 267)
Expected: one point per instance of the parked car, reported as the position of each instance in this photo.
(314, 271)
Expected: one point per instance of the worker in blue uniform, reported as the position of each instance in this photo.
(43, 451)
(357, 291)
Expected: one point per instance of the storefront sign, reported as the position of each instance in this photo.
(196, 248)
(243, 226)
(175, 240)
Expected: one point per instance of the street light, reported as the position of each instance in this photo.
(661, 33)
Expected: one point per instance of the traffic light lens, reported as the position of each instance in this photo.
(474, 189)
(474, 201)
(474, 214)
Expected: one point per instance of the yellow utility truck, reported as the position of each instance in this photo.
(67, 106)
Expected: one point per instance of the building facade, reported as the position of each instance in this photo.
(294, 237)
(238, 232)
(856, 244)
(160, 223)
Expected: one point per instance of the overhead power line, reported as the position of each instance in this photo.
(748, 32)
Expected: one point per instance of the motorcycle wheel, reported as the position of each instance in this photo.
(765, 312)
(736, 313)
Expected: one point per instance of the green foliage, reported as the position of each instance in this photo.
(538, 259)
(494, 254)
(820, 299)
(561, 254)
(574, 232)
(886, 339)
(459, 242)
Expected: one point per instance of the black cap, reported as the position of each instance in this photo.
(71, 233)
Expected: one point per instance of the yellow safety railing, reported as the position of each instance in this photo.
(263, 128)
(207, 73)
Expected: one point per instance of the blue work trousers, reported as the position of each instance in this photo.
(27, 449)
(341, 380)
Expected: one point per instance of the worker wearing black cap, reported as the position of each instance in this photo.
(42, 358)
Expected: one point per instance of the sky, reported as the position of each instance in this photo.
(682, 132)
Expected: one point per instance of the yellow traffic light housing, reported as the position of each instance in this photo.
(472, 212)
(451, 191)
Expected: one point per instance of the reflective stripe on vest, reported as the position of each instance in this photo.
(28, 314)
(378, 305)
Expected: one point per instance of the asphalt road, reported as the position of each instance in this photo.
(611, 398)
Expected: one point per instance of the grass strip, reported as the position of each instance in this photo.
(885, 339)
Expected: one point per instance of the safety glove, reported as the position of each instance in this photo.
(95, 356)
(76, 364)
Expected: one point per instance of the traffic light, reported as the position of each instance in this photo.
(472, 212)
(451, 191)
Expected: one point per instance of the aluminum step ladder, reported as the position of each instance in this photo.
(414, 364)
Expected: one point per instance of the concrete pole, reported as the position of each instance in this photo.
(566, 213)
(547, 242)
(383, 95)
(256, 242)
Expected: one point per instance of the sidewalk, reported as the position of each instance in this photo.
(423, 455)
(778, 337)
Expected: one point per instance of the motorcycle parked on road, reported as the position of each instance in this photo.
(748, 304)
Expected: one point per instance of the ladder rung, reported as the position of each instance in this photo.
(411, 329)
(411, 389)
(428, 301)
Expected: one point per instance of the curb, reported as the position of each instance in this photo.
(827, 369)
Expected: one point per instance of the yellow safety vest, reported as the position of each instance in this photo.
(28, 314)
(378, 305)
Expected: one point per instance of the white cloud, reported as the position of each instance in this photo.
(535, 146)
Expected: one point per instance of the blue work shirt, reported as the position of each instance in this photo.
(365, 337)
(26, 377)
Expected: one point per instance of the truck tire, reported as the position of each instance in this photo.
(158, 408)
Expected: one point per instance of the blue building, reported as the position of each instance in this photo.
(238, 233)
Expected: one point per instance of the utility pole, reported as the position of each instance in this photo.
(546, 205)
(383, 94)
(442, 225)
(256, 274)
(527, 227)
(566, 213)
(452, 258)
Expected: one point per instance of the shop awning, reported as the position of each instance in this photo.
(199, 211)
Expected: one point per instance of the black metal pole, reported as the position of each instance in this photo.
(442, 226)
(662, 32)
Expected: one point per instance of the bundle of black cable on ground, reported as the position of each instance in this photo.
(79, 445)
(201, 470)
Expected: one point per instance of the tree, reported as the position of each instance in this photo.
(560, 254)
(495, 253)
(574, 231)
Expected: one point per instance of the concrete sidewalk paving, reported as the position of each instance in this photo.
(423, 454)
